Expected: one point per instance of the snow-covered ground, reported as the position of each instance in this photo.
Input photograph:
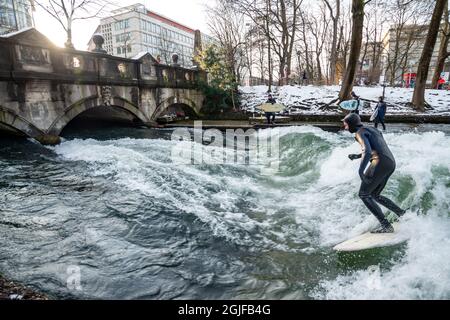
(311, 99)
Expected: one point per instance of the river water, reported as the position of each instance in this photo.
(106, 214)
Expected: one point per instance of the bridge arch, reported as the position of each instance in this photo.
(90, 103)
(18, 124)
(163, 106)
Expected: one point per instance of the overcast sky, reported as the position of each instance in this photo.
(188, 12)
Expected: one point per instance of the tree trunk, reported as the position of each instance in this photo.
(319, 70)
(443, 53)
(282, 75)
(418, 100)
(284, 42)
(269, 53)
(334, 54)
(355, 49)
(69, 43)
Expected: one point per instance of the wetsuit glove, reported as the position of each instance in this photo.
(354, 156)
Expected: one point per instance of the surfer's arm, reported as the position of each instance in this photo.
(366, 152)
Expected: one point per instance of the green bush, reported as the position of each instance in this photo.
(216, 100)
(221, 88)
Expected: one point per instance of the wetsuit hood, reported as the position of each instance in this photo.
(354, 122)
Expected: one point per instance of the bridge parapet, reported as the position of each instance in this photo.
(25, 58)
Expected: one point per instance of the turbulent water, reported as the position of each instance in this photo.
(137, 226)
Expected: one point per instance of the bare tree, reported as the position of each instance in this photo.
(126, 39)
(166, 45)
(418, 100)
(269, 42)
(408, 18)
(284, 17)
(260, 46)
(355, 49)
(66, 12)
(335, 13)
(344, 42)
(257, 13)
(372, 48)
(318, 28)
(228, 26)
(306, 41)
(443, 49)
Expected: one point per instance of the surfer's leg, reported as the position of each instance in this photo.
(386, 202)
(366, 195)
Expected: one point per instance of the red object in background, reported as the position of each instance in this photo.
(441, 81)
(408, 78)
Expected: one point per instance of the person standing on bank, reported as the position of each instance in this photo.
(355, 97)
(382, 165)
(270, 115)
(381, 113)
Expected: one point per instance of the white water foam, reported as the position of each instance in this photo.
(326, 211)
(145, 166)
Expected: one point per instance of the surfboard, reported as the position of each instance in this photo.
(349, 105)
(372, 240)
(268, 107)
(374, 115)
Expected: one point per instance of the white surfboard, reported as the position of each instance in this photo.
(374, 115)
(372, 240)
(268, 107)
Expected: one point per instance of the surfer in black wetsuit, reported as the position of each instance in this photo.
(374, 179)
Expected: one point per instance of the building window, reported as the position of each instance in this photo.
(119, 50)
(156, 28)
(121, 25)
(123, 37)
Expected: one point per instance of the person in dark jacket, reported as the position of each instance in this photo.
(355, 97)
(382, 165)
(381, 106)
(271, 115)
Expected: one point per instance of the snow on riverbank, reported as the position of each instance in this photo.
(311, 99)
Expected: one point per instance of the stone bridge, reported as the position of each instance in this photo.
(43, 87)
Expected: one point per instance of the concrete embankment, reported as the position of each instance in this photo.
(245, 121)
(334, 124)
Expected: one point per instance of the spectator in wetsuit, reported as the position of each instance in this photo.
(382, 165)
(270, 115)
(355, 97)
(381, 106)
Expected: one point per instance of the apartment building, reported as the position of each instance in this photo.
(404, 50)
(135, 29)
(16, 15)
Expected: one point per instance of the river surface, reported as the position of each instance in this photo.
(107, 214)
